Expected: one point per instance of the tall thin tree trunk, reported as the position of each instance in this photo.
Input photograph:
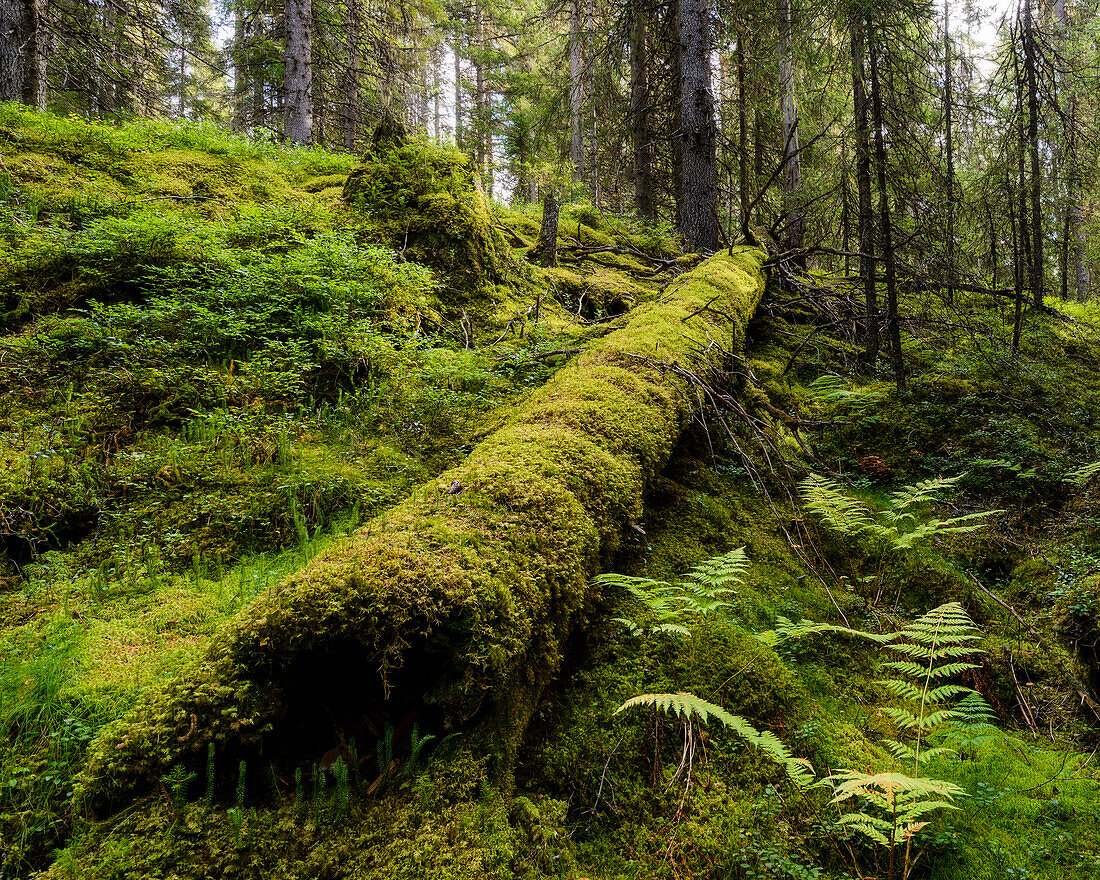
(863, 189)
(240, 71)
(886, 233)
(349, 115)
(298, 58)
(34, 57)
(743, 139)
(1075, 241)
(949, 82)
(641, 116)
(437, 91)
(792, 159)
(1030, 60)
(699, 187)
(576, 89)
(458, 91)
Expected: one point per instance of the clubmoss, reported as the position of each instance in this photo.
(452, 606)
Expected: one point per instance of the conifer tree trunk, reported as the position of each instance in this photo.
(641, 116)
(866, 223)
(1075, 240)
(792, 158)
(349, 115)
(548, 235)
(297, 58)
(34, 57)
(948, 79)
(16, 32)
(886, 232)
(240, 71)
(743, 139)
(699, 182)
(576, 89)
(458, 90)
(1035, 279)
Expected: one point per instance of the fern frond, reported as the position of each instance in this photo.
(1081, 476)
(673, 629)
(869, 826)
(688, 706)
(720, 571)
(831, 503)
(922, 493)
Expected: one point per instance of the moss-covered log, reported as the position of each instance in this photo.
(453, 608)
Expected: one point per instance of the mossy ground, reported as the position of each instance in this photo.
(215, 371)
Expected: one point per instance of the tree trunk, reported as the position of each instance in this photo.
(792, 160)
(699, 187)
(886, 231)
(298, 59)
(437, 91)
(240, 71)
(576, 89)
(948, 80)
(743, 140)
(641, 116)
(1074, 226)
(13, 30)
(458, 91)
(1035, 279)
(863, 189)
(34, 57)
(548, 235)
(349, 115)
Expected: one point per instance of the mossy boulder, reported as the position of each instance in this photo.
(452, 609)
(424, 197)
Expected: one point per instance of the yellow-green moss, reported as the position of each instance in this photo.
(485, 583)
(424, 197)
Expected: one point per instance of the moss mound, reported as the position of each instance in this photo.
(424, 198)
(451, 610)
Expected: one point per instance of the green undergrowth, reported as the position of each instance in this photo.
(213, 367)
(301, 486)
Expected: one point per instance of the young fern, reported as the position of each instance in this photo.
(1082, 475)
(669, 607)
(888, 531)
(689, 707)
(891, 808)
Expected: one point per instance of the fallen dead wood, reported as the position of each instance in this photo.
(452, 609)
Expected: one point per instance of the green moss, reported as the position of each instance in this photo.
(486, 583)
(424, 197)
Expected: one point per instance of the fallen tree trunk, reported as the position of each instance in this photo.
(452, 609)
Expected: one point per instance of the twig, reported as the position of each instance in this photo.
(1070, 678)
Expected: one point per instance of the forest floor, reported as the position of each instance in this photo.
(215, 366)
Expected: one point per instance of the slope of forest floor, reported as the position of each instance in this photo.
(217, 359)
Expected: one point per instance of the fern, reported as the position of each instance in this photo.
(669, 607)
(689, 707)
(830, 390)
(1082, 475)
(889, 531)
(892, 808)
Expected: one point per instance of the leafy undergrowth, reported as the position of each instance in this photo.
(212, 367)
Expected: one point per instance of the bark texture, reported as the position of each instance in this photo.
(699, 134)
(298, 58)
